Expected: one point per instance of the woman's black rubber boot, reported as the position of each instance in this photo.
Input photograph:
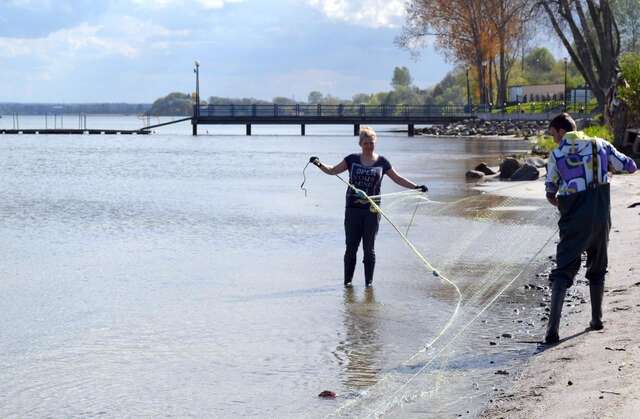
(349, 269)
(369, 266)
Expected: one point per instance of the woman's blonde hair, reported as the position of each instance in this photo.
(367, 132)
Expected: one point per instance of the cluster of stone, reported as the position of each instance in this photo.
(510, 169)
(477, 127)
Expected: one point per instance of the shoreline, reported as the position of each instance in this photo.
(508, 137)
(589, 373)
(478, 137)
(481, 128)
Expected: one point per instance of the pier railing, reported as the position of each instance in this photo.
(333, 111)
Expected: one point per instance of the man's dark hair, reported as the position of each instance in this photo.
(563, 121)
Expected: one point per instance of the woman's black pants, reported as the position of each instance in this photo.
(360, 224)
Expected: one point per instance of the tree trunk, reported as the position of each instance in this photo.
(490, 82)
(619, 121)
(502, 85)
(482, 97)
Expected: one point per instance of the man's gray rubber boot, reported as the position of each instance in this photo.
(558, 293)
(596, 290)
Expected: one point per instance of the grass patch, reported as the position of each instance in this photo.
(600, 131)
(548, 106)
(530, 107)
(544, 144)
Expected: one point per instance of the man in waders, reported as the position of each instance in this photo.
(578, 184)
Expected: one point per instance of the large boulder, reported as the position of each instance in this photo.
(526, 172)
(474, 175)
(482, 167)
(508, 167)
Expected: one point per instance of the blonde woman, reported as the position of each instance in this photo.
(361, 221)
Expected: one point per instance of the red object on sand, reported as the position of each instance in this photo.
(327, 394)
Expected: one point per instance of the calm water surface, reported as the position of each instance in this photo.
(176, 276)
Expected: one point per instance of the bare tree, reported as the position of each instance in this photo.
(473, 32)
(588, 31)
(508, 18)
(461, 32)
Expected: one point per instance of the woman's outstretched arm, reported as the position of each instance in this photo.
(330, 170)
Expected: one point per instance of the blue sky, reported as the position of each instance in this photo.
(138, 50)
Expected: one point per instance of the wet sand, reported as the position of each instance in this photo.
(591, 374)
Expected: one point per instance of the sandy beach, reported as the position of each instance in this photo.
(591, 374)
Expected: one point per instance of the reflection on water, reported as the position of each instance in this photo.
(360, 353)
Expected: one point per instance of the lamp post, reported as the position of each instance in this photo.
(468, 92)
(564, 100)
(197, 71)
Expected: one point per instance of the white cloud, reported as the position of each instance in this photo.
(371, 13)
(60, 53)
(207, 4)
(131, 36)
(63, 42)
(29, 4)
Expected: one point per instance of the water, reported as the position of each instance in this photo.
(168, 275)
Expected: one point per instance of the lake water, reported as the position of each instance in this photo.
(167, 275)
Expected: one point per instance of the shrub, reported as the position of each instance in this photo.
(544, 144)
(630, 66)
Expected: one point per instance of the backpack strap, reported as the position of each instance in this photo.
(594, 163)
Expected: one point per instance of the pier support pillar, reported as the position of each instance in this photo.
(412, 130)
(194, 127)
(356, 130)
(248, 129)
(302, 130)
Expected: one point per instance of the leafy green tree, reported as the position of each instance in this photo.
(332, 100)
(280, 100)
(401, 78)
(630, 93)
(627, 13)
(315, 97)
(403, 96)
(216, 100)
(539, 64)
(361, 99)
(451, 90)
(174, 104)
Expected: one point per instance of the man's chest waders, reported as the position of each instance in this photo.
(585, 221)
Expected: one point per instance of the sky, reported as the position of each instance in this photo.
(135, 51)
